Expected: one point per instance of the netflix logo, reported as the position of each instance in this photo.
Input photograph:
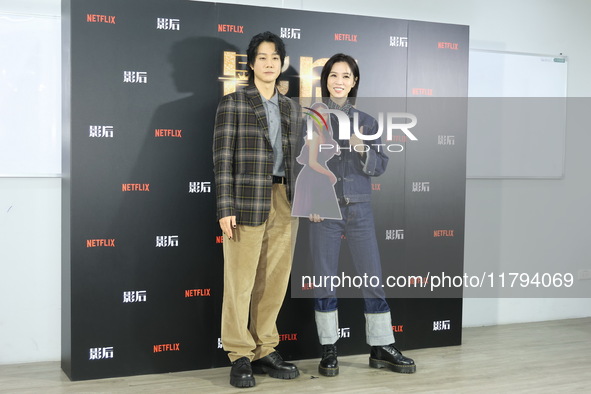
(230, 29)
(443, 233)
(96, 243)
(100, 18)
(448, 45)
(168, 133)
(135, 187)
(167, 347)
(422, 92)
(345, 37)
(288, 337)
(197, 293)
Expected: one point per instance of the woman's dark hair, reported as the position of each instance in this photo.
(339, 57)
(251, 52)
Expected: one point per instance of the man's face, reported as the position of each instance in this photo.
(267, 63)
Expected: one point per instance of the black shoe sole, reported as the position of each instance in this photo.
(374, 363)
(242, 382)
(275, 373)
(328, 371)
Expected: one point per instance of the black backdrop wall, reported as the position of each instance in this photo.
(142, 260)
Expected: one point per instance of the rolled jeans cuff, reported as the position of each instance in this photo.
(327, 324)
(378, 329)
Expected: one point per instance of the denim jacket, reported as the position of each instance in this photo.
(354, 171)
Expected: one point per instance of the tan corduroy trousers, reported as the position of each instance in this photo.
(257, 264)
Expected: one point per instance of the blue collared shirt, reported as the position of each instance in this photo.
(274, 124)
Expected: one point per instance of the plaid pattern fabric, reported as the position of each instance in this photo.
(243, 155)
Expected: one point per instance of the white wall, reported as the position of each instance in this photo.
(30, 247)
(30, 267)
(521, 225)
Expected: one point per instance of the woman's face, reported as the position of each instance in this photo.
(340, 81)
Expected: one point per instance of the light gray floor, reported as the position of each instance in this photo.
(545, 357)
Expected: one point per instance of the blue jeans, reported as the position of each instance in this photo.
(358, 227)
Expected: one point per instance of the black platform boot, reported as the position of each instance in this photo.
(390, 357)
(329, 365)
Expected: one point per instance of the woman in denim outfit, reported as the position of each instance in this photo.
(353, 169)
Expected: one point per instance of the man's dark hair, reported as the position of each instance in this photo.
(339, 57)
(251, 52)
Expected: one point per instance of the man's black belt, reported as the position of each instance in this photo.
(279, 179)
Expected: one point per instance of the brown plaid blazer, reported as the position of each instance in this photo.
(243, 155)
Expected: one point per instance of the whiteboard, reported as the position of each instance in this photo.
(30, 96)
(516, 115)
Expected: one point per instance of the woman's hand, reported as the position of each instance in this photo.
(314, 217)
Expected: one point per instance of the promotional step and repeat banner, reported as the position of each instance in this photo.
(142, 250)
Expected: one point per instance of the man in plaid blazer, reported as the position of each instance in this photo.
(254, 136)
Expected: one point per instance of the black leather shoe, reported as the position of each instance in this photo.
(329, 365)
(274, 365)
(390, 357)
(241, 373)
